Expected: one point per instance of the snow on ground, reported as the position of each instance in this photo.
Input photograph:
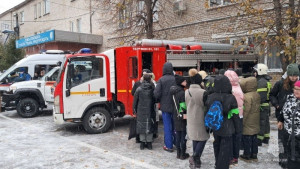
(39, 143)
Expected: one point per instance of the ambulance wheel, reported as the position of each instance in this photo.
(96, 120)
(28, 107)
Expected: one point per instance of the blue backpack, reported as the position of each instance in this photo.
(214, 117)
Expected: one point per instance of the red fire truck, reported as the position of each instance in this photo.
(93, 89)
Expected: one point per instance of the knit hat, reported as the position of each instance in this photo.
(197, 79)
(292, 70)
(179, 79)
(203, 74)
(297, 83)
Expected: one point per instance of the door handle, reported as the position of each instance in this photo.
(102, 92)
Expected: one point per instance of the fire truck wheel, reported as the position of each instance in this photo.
(28, 107)
(96, 120)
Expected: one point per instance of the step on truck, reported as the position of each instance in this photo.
(93, 89)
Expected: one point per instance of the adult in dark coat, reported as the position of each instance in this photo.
(135, 86)
(164, 97)
(278, 96)
(178, 117)
(223, 137)
(143, 107)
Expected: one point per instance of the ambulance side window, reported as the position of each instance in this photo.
(133, 67)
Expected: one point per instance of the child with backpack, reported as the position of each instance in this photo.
(251, 119)
(179, 116)
(196, 131)
(222, 119)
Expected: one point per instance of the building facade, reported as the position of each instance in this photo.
(112, 25)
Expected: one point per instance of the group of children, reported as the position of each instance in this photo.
(184, 103)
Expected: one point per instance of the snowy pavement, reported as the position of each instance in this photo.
(38, 143)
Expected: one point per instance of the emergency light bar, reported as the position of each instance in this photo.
(85, 50)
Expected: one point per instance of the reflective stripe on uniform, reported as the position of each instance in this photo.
(264, 104)
(262, 90)
(267, 135)
(260, 137)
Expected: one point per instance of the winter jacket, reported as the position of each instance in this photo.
(222, 93)
(177, 93)
(143, 106)
(196, 129)
(278, 96)
(291, 118)
(251, 120)
(236, 90)
(162, 89)
(264, 89)
(137, 84)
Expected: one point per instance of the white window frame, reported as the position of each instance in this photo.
(35, 11)
(71, 26)
(215, 3)
(5, 26)
(78, 25)
(124, 17)
(141, 7)
(22, 17)
(46, 6)
(39, 9)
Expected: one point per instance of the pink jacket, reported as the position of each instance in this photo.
(236, 90)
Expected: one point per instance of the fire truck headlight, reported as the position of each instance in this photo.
(56, 105)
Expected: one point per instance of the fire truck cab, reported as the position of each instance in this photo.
(93, 89)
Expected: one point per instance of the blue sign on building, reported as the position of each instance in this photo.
(36, 39)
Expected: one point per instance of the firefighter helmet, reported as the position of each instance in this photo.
(261, 69)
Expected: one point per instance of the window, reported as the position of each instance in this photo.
(41, 70)
(71, 26)
(5, 26)
(39, 9)
(78, 25)
(141, 11)
(124, 15)
(22, 17)
(46, 6)
(14, 76)
(272, 56)
(133, 67)
(35, 11)
(85, 69)
(214, 3)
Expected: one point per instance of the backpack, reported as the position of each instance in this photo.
(214, 117)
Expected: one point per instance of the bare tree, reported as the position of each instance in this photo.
(264, 19)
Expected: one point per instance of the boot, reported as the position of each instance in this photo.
(197, 162)
(142, 146)
(183, 154)
(245, 158)
(253, 157)
(266, 140)
(178, 153)
(192, 162)
(149, 145)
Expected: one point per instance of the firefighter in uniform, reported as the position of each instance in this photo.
(263, 89)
